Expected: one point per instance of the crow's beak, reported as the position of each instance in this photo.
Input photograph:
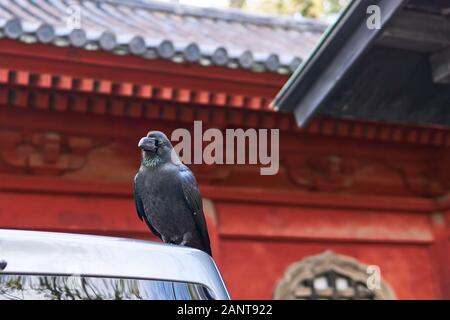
(148, 144)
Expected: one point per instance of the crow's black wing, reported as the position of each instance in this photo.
(194, 201)
(138, 202)
(140, 208)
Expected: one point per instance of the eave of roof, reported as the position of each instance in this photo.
(338, 50)
(166, 31)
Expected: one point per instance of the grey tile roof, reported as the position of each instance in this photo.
(171, 31)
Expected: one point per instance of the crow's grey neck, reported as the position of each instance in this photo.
(152, 162)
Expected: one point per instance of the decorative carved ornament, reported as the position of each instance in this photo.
(335, 173)
(44, 153)
(330, 276)
(320, 174)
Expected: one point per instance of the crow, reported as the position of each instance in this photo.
(167, 197)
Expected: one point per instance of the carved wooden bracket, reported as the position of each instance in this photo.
(44, 153)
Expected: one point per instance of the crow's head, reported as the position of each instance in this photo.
(156, 148)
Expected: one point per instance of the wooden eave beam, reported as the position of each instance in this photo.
(57, 112)
(79, 63)
(416, 31)
(440, 65)
(67, 84)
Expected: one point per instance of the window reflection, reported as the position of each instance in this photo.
(33, 287)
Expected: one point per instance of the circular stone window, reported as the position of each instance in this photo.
(331, 276)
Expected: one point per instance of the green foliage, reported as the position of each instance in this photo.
(308, 8)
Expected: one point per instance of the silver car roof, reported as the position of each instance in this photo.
(35, 252)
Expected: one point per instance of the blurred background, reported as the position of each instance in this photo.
(358, 208)
(306, 8)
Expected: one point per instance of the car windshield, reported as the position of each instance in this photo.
(36, 287)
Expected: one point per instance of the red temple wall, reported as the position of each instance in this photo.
(259, 247)
(253, 243)
(252, 268)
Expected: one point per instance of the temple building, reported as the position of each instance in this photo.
(359, 207)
